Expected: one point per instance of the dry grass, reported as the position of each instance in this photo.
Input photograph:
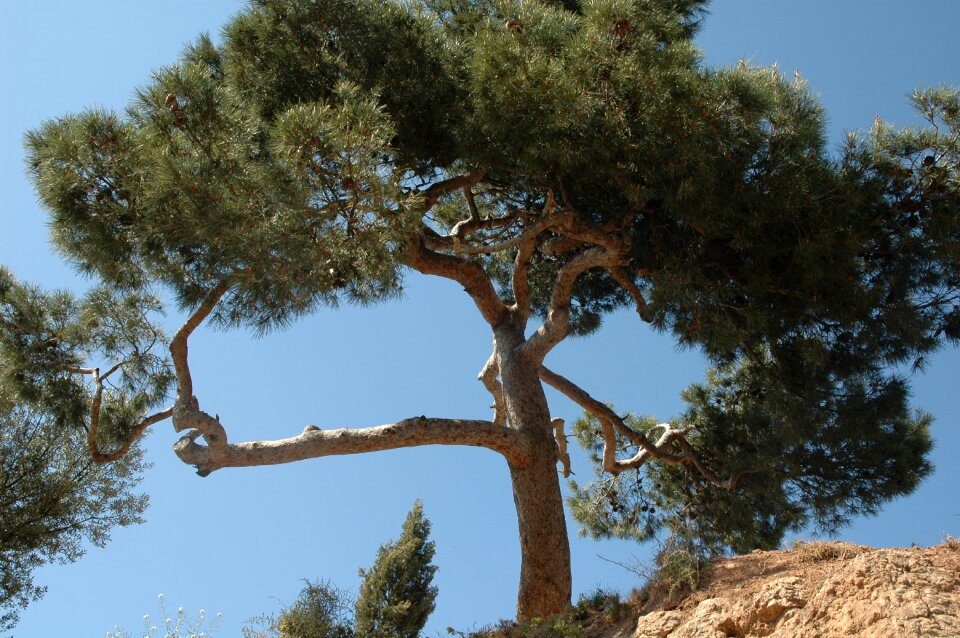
(817, 551)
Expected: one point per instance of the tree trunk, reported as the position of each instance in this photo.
(545, 578)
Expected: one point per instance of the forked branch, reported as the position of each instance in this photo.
(93, 429)
(611, 424)
(469, 274)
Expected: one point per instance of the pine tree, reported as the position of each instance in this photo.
(557, 160)
(396, 596)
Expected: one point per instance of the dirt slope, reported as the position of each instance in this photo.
(816, 590)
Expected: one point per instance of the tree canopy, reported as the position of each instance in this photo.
(559, 160)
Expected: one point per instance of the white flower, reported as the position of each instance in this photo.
(146, 618)
(160, 595)
(202, 614)
(180, 610)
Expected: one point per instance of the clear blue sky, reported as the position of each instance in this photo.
(241, 540)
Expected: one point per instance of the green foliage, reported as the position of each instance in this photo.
(396, 596)
(800, 466)
(321, 611)
(678, 566)
(395, 600)
(806, 456)
(606, 602)
(53, 498)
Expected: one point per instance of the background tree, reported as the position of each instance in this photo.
(396, 595)
(321, 611)
(557, 162)
(54, 494)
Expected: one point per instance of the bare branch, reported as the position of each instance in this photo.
(561, 439)
(627, 283)
(314, 443)
(520, 278)
(612, 424)
(554, 328)
(469, 274)
(93, 429)
(178, 345)
(527, 234)
(437, 190)
(488, 375)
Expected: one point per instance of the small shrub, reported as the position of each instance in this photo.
(679, 564)
(599, 601)
(812, 552)
(556, 627)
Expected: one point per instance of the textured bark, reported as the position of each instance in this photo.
(545, 577)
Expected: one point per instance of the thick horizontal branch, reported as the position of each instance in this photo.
(315, 443)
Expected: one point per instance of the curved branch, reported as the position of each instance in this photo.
(437, 190)
(178, 345)
(627, 283)
(555, 326)
(314, 443)
(469, 274)
(93, 429)
(136, 432)
(612, 424)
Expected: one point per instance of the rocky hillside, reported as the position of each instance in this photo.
(816, 590)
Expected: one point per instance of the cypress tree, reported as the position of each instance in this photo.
(396, 596)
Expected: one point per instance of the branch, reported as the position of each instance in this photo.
(93, 429)
(314, 443)
(178, 346)
(561, 439)
(612, 424)
(469, 274)
(626, 282)
(554, 328)
(437, 190)
(488, 375)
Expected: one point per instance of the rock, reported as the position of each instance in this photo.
(658, 624)
(824, 590)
